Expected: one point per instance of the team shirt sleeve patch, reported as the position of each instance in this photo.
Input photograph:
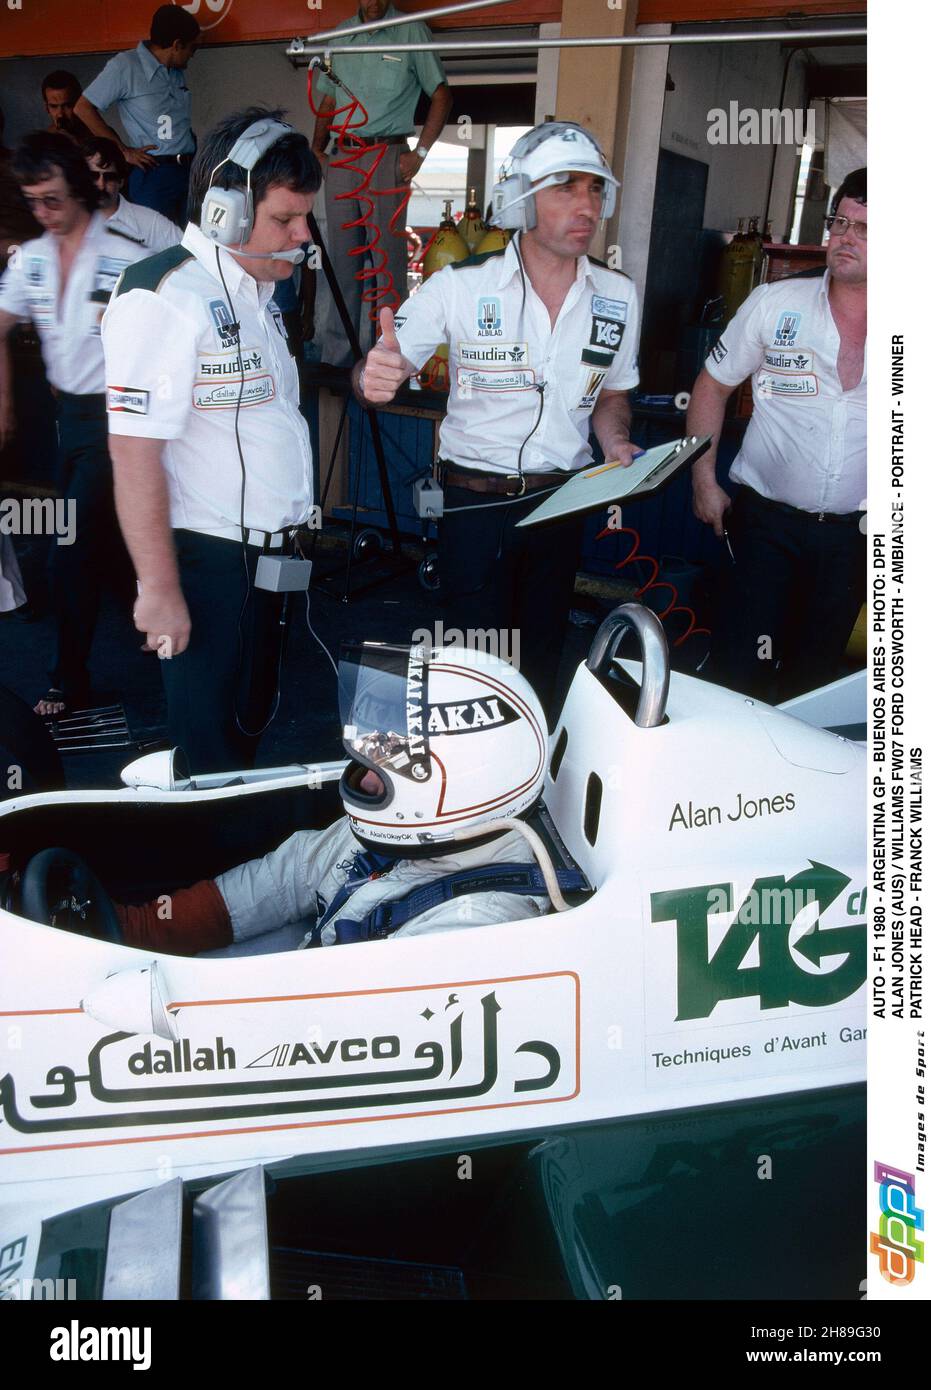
(127, 400)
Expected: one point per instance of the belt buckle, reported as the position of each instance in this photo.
(518, 477)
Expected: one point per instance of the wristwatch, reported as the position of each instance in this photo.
(421, 152)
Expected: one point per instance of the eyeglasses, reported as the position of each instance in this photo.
(837, 226)
(52, 201)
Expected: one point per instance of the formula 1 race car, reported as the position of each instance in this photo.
(657, 1093)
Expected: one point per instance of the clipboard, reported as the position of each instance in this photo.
(597, 487)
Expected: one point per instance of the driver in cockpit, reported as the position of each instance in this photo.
(448, 751)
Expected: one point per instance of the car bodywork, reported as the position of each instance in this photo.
(713, 983)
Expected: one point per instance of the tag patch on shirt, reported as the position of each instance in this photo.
(229, 364)
(127, 400)
(718, 352)
(399, 321)
(471, 380)
(496, 354)
(615, 309)
(488, 318)
(591, 385)
(222, 322)
(787, 329)
(801, 361)
(781, 384)
(223, 395)
(606, 333)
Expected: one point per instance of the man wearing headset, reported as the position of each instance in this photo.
(211, 456)
(542, 348)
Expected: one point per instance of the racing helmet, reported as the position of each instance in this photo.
(542, 157)
(457, 736)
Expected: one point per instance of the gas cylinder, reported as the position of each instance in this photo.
(495, 239)
(446, 247)
(472, 228)
(735, 274)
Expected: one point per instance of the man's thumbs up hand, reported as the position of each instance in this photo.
(388, 339)
(385, 367)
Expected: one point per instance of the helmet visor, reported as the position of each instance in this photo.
(383, 707)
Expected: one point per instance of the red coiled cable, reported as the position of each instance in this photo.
(349, 147)
(674, 605)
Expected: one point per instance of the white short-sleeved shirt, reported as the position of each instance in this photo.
(144, 226)
(146, 92)
(500, 352)
(174, 371)
(805, 444)
(69, 325)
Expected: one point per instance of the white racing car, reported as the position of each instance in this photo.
(656, 1093)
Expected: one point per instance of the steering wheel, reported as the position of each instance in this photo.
(60, 890)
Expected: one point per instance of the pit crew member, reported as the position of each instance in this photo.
(794, 526)
(542, 349)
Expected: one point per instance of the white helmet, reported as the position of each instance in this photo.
(457, 737)
(544, 156)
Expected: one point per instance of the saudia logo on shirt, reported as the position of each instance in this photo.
(489, 318)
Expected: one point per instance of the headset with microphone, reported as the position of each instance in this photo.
(227, 215)
(572, 149)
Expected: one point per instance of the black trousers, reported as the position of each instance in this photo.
(97, 555)
(791, 598)
(516, 583)
(221, 689)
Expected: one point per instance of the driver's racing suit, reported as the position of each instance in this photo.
(322, 877)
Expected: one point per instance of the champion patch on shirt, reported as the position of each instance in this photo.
(127, 400)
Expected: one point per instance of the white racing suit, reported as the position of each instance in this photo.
(295, 884)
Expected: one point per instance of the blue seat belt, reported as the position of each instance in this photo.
(388, 917)
(366, 865)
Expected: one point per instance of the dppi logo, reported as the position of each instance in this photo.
(896, 1244)
(208, 13)
(765, 916)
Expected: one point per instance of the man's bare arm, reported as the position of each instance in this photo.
(611, 424)
(96, 124)
(706, 416)
(141, 494)
(441, 101)
(322, 130)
